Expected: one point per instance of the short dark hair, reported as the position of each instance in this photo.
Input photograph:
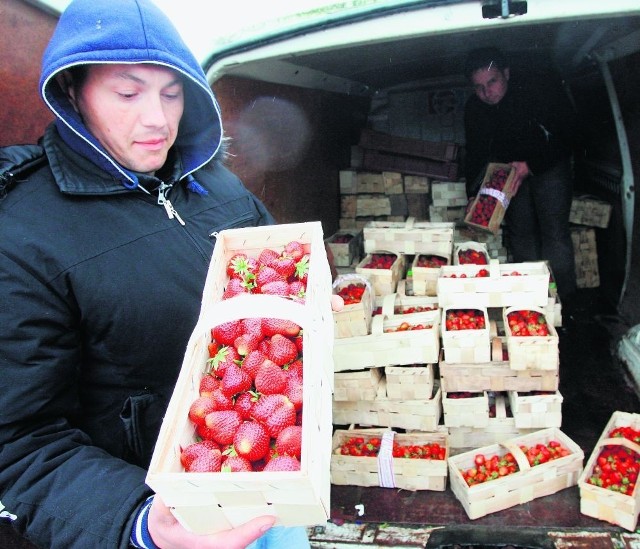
(483, 57)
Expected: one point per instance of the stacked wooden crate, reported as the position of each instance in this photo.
(586, 254)
(448, 201)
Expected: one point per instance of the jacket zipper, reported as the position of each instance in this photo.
(164, 201)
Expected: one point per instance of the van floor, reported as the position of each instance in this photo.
(593, 383)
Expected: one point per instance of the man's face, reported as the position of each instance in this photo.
(133, 111)
(490, 84)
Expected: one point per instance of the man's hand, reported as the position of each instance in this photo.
(168, 533)
(522, 172)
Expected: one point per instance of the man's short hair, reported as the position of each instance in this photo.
(482, 58)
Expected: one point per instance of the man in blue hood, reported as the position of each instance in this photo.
(104, 252)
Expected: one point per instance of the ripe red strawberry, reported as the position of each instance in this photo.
(266, 405)
(267, 274)
(298, 289)
(235, 380)
(264, 346)
(302, 269)
(253, 361)
(224, 424)
(294, 249)
(270, 379)
(227, 332)
(236, 464)
(293, 391)
(244, 402)
(204, 432)
(271, 326)
(235, 287)
(283, 416)
(277, 287)
(208, 384)
(282, 350)
(226, 356)
(246, 343)
(284, 265)
(299, 341)
(294, 370)
(251, 441)
(252, 326)
(207, 463)
(213, 348)
(289, 441)
(199, 408)
(266, 256)
(222, 401)
(282, 463)
(196, 449)
(234, 261)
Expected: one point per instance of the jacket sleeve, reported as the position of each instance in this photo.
(63, 491)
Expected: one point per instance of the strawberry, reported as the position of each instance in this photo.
(270, 379)
(266, 405)
(213, 348)
(251, 440)
(293, 391)
(208, 384)
(226, 356)
(282, 463)
(234, 263)
(235, 287)
(236, 464)
(283, 416)
(194, 450)
(199, 408)
(299, 341)
(294, 370)
(222, 401)
(284, 265)
(227, 332)
(207, 463)
(282, 350)
(253, 361)
(266, 256)
(252, 326)
(294, 249)
(224, 424)
(289, 441)
(204, 432)
(235, 380)
(298, 289)
(267, 274)
(271, 326)
(246, 343)
(277, 287)
(302, 269)
(244, 402)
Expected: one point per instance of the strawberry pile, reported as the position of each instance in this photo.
(282, 273)
(617, 467)
(352, 293)
(470, 256)
(344, 238)
(406, 327)
(359, 447)
(380, 261)
(482, 273)
(488, 468)
(464, 319)
(486, 204)
(527, 323)
(431, 261)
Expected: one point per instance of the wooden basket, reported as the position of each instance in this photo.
(359, 385)
(208, 502)
(345, 254)
(425, 279)
(354, 319)
(410, 237)
(604, 504)
(413, 382)
(403, 473)
(466, 346)
(536, 411)
(525, 485)
(393, 348)
(383, 281)
(502, 197)
(586, 210)
(501, 288)
(532, 352)
(419, 415)
(450, 194)
(470, 411)
(404, 299)
(479, 247)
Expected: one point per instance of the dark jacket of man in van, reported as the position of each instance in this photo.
(530, 126)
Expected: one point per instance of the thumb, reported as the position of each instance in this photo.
(249, 531)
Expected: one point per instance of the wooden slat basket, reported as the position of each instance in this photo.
(358, 385)
(466, 346)
(346, 253)
(425, 279)
(403, 473)
(410, 237)
(355, 318)
(602, 503)
(208, 502)
(383, 281)
(532, 352)
(525, 485)
(413, 382)
(533, 410)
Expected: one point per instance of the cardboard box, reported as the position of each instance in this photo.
(208, 502)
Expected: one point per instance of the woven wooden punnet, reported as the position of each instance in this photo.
(533, 410)
(502, 198)
(409, 237)
(401, 303)
(459, 247)
(532, 352)
(354, 319)
(464, 346)
(414, 382)
(502, 288)
(527, 484)
(590, 211)
(345, 253)
(402, 473)
(419, 415)
(390, 348)
(472, 410)
(358, 385)
(209, 502)
(425, 279)
(449, 193)
(604, 504)
(383, 281)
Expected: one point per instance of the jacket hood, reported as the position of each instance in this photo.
(128, 31)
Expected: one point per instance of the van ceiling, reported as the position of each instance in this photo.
(427, 46)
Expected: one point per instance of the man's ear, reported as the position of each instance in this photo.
(65, 81)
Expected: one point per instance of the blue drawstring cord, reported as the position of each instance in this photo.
(195, 187)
